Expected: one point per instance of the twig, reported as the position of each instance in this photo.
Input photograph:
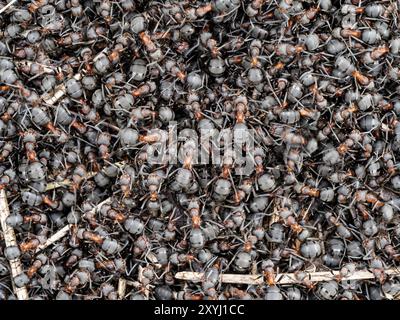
(290, 278)
(284, 278)
(64, 231)
(146, 290)
(7, 6)
(59, 93)
(55, 185)
(138, 286)
(68, 182)
(64, 183)
(43, 67)
(97, 208)
(275, 216)
(153, 259)
(226, 278)
(135, 284)
(54, 238)
(121, 288)
(10, 240)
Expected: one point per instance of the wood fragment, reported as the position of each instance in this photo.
(121, 288)
(59, 92)
(54, 238)
(11, 240)
(64, 231)
(284, 278)
(153, 259)
(68, 182)
(55, 185)
(274, 217)
(225, 278)
(135, 284)
(43, 67)
(290, 278)
(97, 208)
(138, 286)
(8, 5)
(146, 290)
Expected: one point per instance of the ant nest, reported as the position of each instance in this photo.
(199, 150)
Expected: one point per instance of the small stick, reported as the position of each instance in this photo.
(121, 288)
(138, 286)
(7, 6)
(54, 238)
(135, 284)
(59, 93)
(275, 216)
(64, 231)
(10, 240)
(96, 208)
(55, 185)
(68, 182)
(44, 68)
(64, 183)
(226, 278)
(153, 259)
(290, 278)
(146, 290)
(284, 278)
